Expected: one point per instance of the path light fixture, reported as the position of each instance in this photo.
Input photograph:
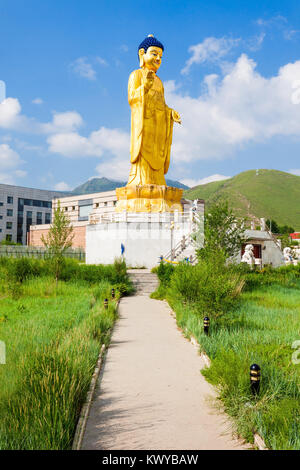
(206, 323)
(105, 303)
(255, 378)
(113, 293)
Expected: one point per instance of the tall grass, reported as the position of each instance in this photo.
(53, 336)
(260, 328)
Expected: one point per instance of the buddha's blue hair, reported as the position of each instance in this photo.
(150, 41)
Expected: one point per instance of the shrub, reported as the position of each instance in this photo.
(211, 287)
(164, 272)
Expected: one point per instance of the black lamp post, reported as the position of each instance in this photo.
(206, 323)
(255, 378)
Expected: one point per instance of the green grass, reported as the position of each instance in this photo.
(53, 337)
(261, 331)
(260, 327)
(271, 194)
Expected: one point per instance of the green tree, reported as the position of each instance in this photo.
(275, 228)
(58, 239)
(272, 226)
(223, 233)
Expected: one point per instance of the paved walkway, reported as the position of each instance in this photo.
(151, 394)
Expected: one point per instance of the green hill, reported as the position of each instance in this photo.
(99, 185)
(270, 193)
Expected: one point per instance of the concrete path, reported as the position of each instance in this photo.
(151, 394)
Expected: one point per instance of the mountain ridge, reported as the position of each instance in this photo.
(271, 194)
(101, 184)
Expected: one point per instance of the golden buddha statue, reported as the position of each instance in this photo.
(151, 138)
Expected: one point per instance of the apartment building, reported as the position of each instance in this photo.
(22, 207)
(78, 209)
(82, 210)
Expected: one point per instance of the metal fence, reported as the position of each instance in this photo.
(14, 251)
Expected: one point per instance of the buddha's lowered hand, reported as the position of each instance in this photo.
(176, 116)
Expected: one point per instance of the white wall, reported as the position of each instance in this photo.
(144, 242)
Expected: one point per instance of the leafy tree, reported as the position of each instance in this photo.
(58, 239)
(223, 233)
(272, 226)
(275, 228)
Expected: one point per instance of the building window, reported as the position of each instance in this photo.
(9, 212)
(28, 202)
(73, 208)
(8, 237)
(1, 216)
(97, 204)
(0, 230)
(66, 208)
(105, 204)
(10, 200)
(29, 214)
(1, 203)
(39, 218)
(85, 207)
(9, 225)
(47, 218)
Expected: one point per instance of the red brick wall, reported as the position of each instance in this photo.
(78, 240)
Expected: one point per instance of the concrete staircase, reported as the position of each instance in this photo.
(143, 280)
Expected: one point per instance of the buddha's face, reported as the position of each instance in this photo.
(152, 58)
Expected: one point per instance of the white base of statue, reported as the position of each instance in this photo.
(145, 237)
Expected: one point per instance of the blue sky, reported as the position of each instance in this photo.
(230, 68)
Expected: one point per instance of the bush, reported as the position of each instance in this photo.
(164, 272)
(212, 288)
(19, 270)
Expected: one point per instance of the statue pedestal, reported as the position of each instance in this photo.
(145, 236)
(149, 198)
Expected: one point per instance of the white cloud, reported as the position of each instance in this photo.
(68, 121)
(113, 141)
(62, 186)
(210, 50)
(238, 108)
(12, 118)
(101, 61)
(83, 68)
(70, 144)
(10, 110)
(37, 101)
(6, 138)
(278, 21)
(9, 162)
(20, 173)
(255, 42)
(8, 158)
(112, 145)
(209, 179)
(295, 171)
(116, 169)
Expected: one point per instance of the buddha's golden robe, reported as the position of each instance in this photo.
(151, 131)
